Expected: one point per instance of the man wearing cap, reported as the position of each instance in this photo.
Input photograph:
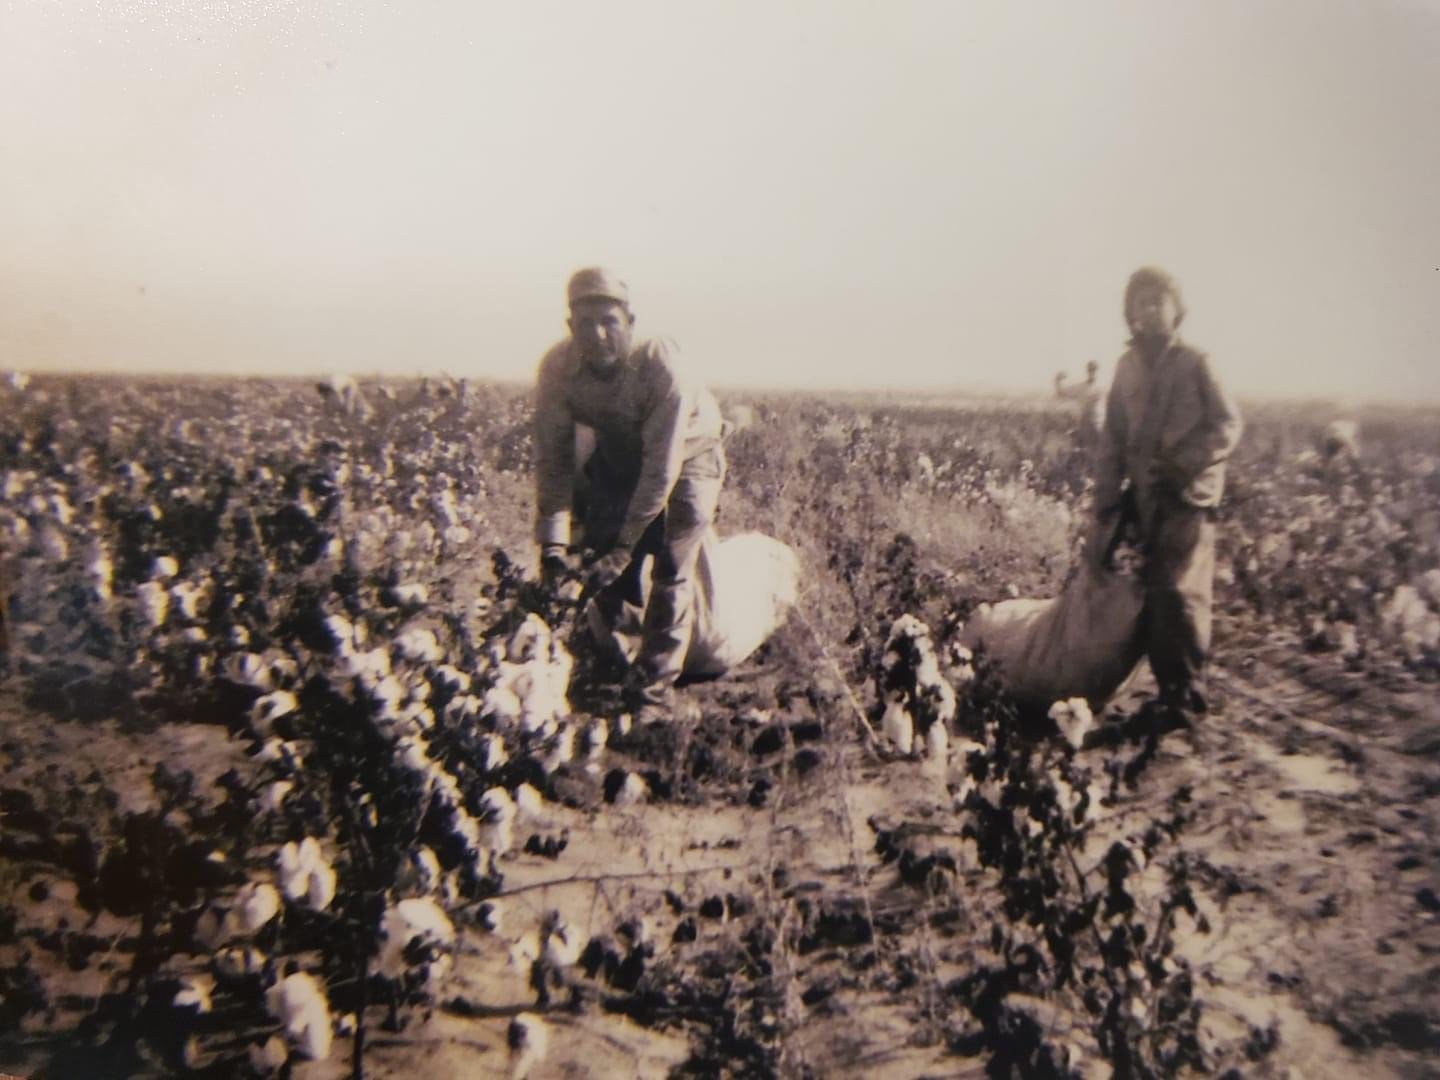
(1160, 466)
(654, 477)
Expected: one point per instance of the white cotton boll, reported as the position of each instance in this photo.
(268, 1057)
(280, 752)
(296, 862)
(272, 796)
(248, 669)
(623, 723)
(388, 694)
(102, 576)
(530, 640)
(344, 632)
(194, 993)
(632, 791)
(186, 598)
(529, 803)
(492, 752)
(298, 1002)
(596, 737)
(412, 754)
(345, 1025)
(268, 708)
(411, 595)
(164, 568)
(898, 727)
(427, 869)
(1074, 719)
(560, 750)
(320, 890)
(418, 917)
(937, 742)
(529, 1043)
(503, 706)
(255, 905)
(420, 645)
(562, 944)
(524, 951)
(154, 603)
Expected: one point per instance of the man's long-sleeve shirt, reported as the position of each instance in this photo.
(649, 417)
(1167, 423)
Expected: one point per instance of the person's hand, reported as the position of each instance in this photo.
(608, 568)
(554, 565)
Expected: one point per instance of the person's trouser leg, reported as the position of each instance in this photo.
(670, 613)
(1179, 585)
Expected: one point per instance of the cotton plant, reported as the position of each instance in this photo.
(1074, 719)
(918, 697)
(299, 1003)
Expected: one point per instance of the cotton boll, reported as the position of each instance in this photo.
(529, 803)
(1074, 719)
(268, 1057)
(248, 669)
(255, 905)
(562, 944)
(268, 708)
(194, 993)
(164, 568)
(321, 889)
(596, 737)
(898, 727)
(154, 603)
(280, 752)
(937, 742)
(525, 950)
(419, 921)
(492, 752)
(272, 796)
(427, 869)
(298, 1002)
(419, 645)
(529, 1043)
(411, 595)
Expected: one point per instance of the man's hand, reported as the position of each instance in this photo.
(554, 565)
(607, 568)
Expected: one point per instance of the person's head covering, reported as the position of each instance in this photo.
(596, 283)
(1154, 277)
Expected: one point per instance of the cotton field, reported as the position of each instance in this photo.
(303, 773)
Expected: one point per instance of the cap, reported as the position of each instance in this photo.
(596, 283)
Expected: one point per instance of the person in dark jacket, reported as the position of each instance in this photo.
(1169, 430)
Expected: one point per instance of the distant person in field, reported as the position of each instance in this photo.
(1160, 467)
(1089, 402)
(654, 477)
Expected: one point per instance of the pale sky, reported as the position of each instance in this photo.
(827, 194)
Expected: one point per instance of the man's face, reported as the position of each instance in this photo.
(1153, 313)
(601, 329)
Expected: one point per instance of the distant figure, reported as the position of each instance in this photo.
(655, 475)
(1341, 441)
(1169, 429)
(345, 392)
(1089, 400)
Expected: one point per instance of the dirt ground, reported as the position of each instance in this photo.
(1315, 829)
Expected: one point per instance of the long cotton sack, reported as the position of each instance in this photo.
(1083, 643)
